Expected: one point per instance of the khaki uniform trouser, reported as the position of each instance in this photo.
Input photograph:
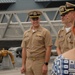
(34, 66)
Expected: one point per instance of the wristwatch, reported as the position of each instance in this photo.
(46, 63)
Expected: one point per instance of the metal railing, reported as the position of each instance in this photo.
(7, 1)
(14, 23)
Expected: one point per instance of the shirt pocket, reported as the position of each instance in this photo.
(70, 42)
(61, 41)
(39, 37)
(70, 38)
(26, 38)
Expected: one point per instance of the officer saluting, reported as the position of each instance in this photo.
(36, 47)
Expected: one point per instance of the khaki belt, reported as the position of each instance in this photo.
(35, 58)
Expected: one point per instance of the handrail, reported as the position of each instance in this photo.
(12, 26)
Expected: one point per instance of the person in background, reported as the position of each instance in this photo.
(64, 64)
(71, 16)
(36, 47)
(64, 41)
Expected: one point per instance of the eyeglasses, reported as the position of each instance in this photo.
(34, 19)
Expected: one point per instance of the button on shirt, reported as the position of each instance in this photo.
(35, 42)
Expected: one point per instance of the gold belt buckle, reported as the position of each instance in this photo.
(33, 59)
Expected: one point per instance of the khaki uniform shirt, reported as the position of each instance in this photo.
(65, 40)
(36, 42)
